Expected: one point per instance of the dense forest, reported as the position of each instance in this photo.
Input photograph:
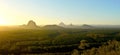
(64, 41)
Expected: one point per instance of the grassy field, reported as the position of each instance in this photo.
(53, 41)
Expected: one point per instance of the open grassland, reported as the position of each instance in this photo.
(49, 41)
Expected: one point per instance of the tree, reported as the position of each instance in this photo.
(75, 52)
(83, 44)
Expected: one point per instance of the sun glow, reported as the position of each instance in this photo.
(3, 22)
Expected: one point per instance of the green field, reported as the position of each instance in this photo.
(64, 41)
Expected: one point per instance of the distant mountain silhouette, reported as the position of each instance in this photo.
(53, 27)
(31, 23)
(86, 26)
(62, 24)
(71, 24)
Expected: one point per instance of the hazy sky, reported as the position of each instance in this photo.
(17, 12)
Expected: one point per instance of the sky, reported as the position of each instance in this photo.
(43, 12)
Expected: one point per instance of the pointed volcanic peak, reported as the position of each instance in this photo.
(71, 24)
(62, 24)
(31, 23)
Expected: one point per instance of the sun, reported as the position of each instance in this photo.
(3, 22)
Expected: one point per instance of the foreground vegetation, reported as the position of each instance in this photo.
(97, 41)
